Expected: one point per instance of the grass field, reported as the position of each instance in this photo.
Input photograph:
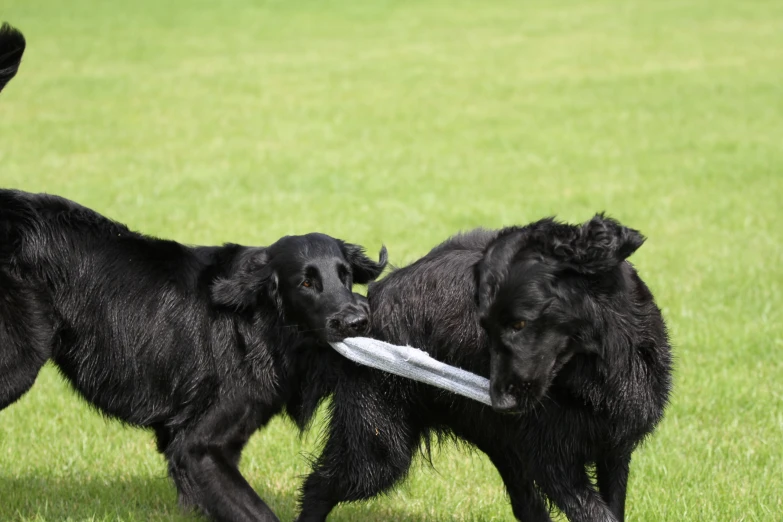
(402, 123)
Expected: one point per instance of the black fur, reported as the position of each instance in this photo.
(12, 46)
(201, 344)
(603, 388)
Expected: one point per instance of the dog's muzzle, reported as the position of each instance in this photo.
(353, 322)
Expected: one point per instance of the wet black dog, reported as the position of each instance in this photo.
(12, 46)
(201, 344)
(573, 343)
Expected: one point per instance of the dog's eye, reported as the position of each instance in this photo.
(518, 325)
(307, 283)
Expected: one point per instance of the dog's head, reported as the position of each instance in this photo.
(536, 292)
(309, 279)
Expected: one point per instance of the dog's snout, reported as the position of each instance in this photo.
(351, 323)
(504, 403)
(357, 323)
(513, 397)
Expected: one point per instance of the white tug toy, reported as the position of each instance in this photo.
(415, 364)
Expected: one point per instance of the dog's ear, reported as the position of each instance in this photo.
(591, 341)
(599, 245)
(364, 269)
(493, 266)
(249, 277)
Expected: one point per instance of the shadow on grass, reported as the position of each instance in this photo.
(96, 498)
(82, 497)
(93, 498)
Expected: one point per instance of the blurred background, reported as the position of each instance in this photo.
(401, 123)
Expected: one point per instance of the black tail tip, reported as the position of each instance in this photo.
(12, 45)
(12, 41)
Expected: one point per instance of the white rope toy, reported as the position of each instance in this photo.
(415, 364)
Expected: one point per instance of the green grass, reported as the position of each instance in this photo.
(402, 123)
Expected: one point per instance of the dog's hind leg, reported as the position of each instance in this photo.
(25, 338)
(370, 447)
(612, 476)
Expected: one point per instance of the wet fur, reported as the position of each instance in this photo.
(202, 345)
(598, 407)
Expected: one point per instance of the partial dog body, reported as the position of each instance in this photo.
(201, 344)
(12, 45)
(591, 386)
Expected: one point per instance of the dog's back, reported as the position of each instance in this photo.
(37, 228)
(437, 297)
(12, 45)
(17, 220)
(44, 228)
(55, 252)
(408, 309)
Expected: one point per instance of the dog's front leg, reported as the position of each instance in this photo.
(203, 463)
(612, 476)
(526, 501)
(568, 486)
(369, 449)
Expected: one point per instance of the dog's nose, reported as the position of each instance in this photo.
(512, 397)
(504, 403)
(357, 323)
(350, 324)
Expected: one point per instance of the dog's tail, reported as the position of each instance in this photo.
(12, 46)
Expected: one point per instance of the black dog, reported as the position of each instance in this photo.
(574, 343)
(12, 46)
(202, 344)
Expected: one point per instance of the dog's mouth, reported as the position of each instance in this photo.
(519, 397)
(336, 337)
(340, 334)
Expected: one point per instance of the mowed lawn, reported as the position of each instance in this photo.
(401, 123)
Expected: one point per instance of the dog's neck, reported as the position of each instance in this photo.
(632, 375)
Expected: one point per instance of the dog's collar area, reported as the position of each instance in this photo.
(414, 364)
